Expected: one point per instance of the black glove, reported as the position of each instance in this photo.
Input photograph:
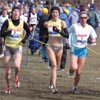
(56, 29)
(89, 40)
(63, 32)
(23, 41)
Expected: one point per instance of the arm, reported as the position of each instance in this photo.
(92, 37)
(65, 33)
(4, 32)
(26, 28)
(45, 24)
(91, 41)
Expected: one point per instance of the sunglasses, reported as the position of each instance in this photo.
(83, 17)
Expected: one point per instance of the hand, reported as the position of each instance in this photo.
(8, 32)
(89, 41)
(23, 41)
(56, 29)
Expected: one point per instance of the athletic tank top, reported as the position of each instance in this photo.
(33, 19)
(52, 23)
(16, 36)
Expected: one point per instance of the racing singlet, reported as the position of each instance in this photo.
(52, 23)
(14, 39)
(33, 19)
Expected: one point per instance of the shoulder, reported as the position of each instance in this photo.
(21, 21)
(89, 26)
(49, 22)
(62, 22)
(76, 25)
(9, 20)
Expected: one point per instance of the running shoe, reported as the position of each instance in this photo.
(54, 90)
(74, 91)
(8, 90)
(17, 83)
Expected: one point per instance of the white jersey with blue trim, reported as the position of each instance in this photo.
(81, 34)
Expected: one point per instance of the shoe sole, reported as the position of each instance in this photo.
(55, 92)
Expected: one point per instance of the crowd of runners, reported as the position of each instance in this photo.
(50, 28)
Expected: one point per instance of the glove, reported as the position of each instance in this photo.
(23, 41)
(56, 29)
(89, 41)
(63, 32)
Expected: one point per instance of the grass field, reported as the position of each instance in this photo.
(35, 80)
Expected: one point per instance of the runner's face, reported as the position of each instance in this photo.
(83, 18)
(16, 14)
(55, 14)
(4, 13)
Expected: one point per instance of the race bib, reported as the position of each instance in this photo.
(14, 35)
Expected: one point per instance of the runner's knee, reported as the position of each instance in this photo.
(8, 75)
(17, 68)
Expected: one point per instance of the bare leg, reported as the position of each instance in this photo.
(81, 62)
(8, 69)
(74, 65)
(55, 59)
(17, 60)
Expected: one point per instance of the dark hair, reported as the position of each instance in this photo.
(15, 7)
(4, 8)
(55, 8)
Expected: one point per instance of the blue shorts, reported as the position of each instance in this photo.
(79, 52)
